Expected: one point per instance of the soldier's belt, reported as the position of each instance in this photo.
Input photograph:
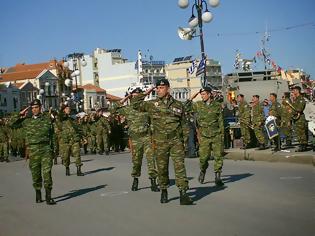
(41, 142)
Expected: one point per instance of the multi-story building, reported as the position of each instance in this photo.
(42, 76)
(184, 84)
(9, 98)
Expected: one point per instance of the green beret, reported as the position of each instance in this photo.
(36, 102)
(162, 82)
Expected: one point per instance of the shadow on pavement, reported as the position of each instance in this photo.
(88, 160)
(77, 193)
(236, 177)
(98, 170)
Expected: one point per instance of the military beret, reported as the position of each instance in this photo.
(162, 82)
(296, 87)
(207, 89)
(137, 90)
(36, 102)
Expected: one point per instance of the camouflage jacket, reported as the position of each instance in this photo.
(138, 122)
(299, 105)
(4, 134)
(244, 112)
(69, 129)
(286, 113)
(209, 117)
(38, 130)
(257, 115)
(275, 110)
(167, 116)
(102, 125)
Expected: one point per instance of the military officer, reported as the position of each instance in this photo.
(286, 120)
(167, 119)
(141, 141)
(210, 128)
(39, 137)
(244, 118)
(257, 117)
(70, 137)
(299, 118)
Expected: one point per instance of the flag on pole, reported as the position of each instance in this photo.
(193, 66)
(201, 67)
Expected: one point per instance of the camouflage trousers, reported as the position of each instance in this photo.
(259, 134)
(286, 130)
(211, 146)
(245, 134)
(4, 150)
(40, 163)
(70, 149)
(92, 143)
(142, 146)
(173, 148)
(300, 129)
(102, 142)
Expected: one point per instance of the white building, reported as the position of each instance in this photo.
(108, 69)
(9, 98)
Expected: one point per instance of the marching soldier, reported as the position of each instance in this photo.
(257, 117)
(92, 133)
(140, 137)
(244, 118)
(102, 133)
(70, 137)
(275, 110)
(167, 119)
(39, 137)
(299, 120)
(210, 129)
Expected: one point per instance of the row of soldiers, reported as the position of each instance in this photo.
(287, 114)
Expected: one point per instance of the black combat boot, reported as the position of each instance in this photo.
(7, 160)
(79, 172)
(154, 187)
(107, 152)
(201, 177)
(262, 146)
(164, 197)
(184, 198)
(39, 196)
(302, 148)
(67, 171)
(49, 200)
(135, 183)
(218, 181)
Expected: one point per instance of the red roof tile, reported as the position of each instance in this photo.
(92, 87)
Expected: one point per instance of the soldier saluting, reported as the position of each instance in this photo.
(167, 119)
(39, 138)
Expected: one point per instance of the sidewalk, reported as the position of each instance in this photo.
(287, 155)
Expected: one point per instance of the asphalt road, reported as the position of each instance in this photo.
(259, 198)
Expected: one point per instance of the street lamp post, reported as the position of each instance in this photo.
(203, 15)
(77, 61)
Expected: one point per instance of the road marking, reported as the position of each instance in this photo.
(113, 194)
(291, 177)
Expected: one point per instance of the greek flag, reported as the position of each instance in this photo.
(192, 68)
(201, 67)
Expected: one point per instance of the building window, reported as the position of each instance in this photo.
(90, 102)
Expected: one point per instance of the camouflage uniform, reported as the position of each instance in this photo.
(4, 142)
(102, 134)
(300, 123)
(167, 119)
(70, 137)
(39, 138)
(286, 122)
(139, 132)
(210, 124)
(257, 116)
(244, 118)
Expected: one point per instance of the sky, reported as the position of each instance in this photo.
(36, 31)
